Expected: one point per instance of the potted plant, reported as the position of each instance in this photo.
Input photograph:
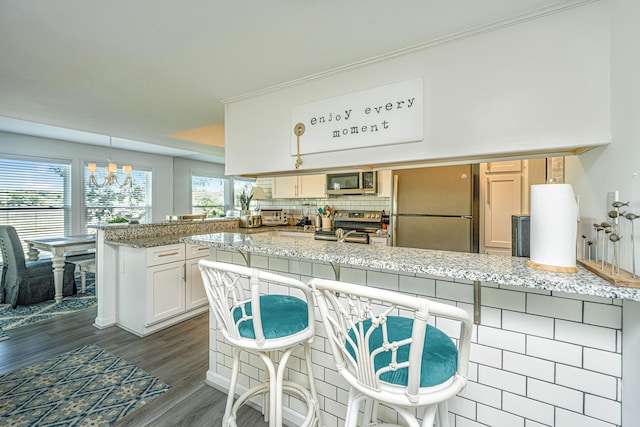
(245, 199)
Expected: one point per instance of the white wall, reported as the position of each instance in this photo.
(536, 86)
(182, 171)
(617, 166)
(24, 146)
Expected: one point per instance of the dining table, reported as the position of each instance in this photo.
(60, 248)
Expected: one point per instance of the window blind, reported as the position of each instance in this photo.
(35, 197)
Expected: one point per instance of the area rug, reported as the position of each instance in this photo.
(32, 313)
(85, 387)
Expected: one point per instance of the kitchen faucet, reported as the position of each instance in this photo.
(341, 235)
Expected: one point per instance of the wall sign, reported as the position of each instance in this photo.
(390, 114)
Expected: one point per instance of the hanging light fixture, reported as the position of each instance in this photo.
(110, 176)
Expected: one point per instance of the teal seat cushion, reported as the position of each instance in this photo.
(439, 358)
(282, 315)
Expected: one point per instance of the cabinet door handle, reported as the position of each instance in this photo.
(168, 254)
(204, 248)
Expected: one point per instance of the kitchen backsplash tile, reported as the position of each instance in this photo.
(309, 207)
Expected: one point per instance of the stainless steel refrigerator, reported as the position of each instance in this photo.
(436, 208)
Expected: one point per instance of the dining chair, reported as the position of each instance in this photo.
(267, 324)
(385, 349)
(28, 282)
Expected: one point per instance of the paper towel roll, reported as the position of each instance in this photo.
(554, 225)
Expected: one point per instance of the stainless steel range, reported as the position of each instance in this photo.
(352, 226)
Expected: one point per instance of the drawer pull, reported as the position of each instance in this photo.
(169, 254)
(205, 248)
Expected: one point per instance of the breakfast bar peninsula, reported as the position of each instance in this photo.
(547, 348)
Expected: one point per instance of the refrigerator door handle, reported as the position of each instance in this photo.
(394, 210)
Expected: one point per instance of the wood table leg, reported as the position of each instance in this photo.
(58, 275)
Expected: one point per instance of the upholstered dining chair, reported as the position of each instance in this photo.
(387, 352)
(268, 324)
(28, 282)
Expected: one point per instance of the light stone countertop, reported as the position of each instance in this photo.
(171, 239)
(503, 270)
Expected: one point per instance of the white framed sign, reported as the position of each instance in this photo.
(384, 115)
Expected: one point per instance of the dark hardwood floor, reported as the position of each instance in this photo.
(177, 355)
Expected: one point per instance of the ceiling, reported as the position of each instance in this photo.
(139, 70)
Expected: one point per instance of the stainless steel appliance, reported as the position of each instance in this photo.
(274, 216)
(250, 221)
(436, 208)
(352, 183)
(352, 226)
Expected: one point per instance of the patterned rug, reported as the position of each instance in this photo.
(32, 313)
(84, 387)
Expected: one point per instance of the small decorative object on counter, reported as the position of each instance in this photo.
(327, 223)
(609, 266)
(326, 219)
(245, 200)
(118, 220)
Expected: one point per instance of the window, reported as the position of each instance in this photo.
(35, 197)
(214, 196)
(240, 185)
(208, 196)
(103, 204)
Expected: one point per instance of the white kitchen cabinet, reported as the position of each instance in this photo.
(159, 286)
(195, 296)
(503, 198)
(505, 166)
(298, 187)
(384, 183)
(504, 191)
(165, 296)
(285, 187)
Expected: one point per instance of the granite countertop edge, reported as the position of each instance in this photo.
(172, 239)
(498, 269)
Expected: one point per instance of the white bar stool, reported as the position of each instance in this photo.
(399, 361)
(264, 324)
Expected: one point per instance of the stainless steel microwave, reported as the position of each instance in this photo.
(352, 183)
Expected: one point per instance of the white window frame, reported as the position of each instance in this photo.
(143, 213)
(43, 227)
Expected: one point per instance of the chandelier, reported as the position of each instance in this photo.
(110, 176)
